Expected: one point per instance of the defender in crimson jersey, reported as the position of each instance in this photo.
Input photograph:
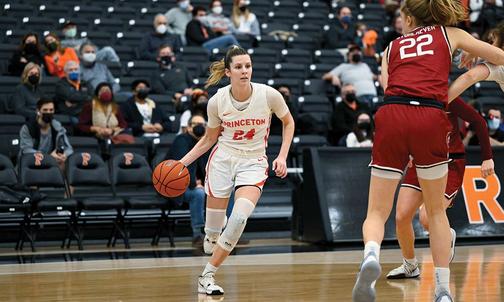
(413, 123)
(410, 194)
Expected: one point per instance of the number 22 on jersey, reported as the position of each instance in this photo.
(408, 49)
(240, 135)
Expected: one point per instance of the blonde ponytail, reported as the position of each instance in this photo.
(435, 12)
(217, 72)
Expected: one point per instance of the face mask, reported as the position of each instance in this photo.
(351, 97)
(198, 131)
(47, 117)
(73, 76)
(217, 10)
(89, 57)
(493, 124)
(243, 8)
(346, 19)
(71, 33)
(356, 58)
(53, 46)
(33, 79)
(161, 29)
(166, 60)
(184, 5)
(30, 48)
(142, 93)
(105, 97)
(364, 126)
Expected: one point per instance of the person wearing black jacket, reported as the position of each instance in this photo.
(198, 34)
(28, 51)
(142, 114)
(72, 92)
(195, 194)
(26, 95)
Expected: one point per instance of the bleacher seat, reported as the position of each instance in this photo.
(303, 42)
(316, 71)
(84, 144)
(268, 27)
(10, 123)
(193, 54)
(488, 89)
(290, 70)
(141, 68)
(128, 38)
(293, 84)
(316, 18)
(40, 23)
(108, 25)
(328, 56)
(271, 42)
(13, 9)
(314, 103)
(300, 56)
(263, 55)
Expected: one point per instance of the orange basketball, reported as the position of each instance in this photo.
(170, 178)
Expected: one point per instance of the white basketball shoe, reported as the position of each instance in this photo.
(370, 271)
(453, 239)
(404, 271)
(206, 285)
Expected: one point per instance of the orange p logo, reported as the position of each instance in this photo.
(128, 157)
(476, 197)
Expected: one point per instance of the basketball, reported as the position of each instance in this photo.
(170, 178)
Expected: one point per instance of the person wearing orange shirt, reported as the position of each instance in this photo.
(57, 56)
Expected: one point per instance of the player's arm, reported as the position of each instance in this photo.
(280, 109)
(461, 39)
(384, 70)
(212, 133)
(466, 80)
(468, 114)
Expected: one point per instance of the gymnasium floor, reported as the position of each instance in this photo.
(264, 270)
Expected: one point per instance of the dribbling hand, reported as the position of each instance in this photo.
(487, 168)
(280, 167)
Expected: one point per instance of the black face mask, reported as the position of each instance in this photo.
(351, 97)
(356, 58)
(30, 48)
(166, 60)
(366, 126)
(142, 93)
(47, 117)
(33, 79)
(53, 46)
(243, 8)
(198, 130)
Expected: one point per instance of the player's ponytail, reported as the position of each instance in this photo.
(435, 12)
(218, 68)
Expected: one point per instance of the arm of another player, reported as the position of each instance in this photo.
(468, 114)
(461, 39)
(280, 109)
(466, 80)
(212, 133)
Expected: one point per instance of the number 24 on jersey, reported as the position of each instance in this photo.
(241, 135)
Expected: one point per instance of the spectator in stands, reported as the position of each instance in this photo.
(244, 20)
(101, 117)
(362, 134)
(276, 127)
(494, 119)
(171, 79)
(342, 32)
(141, 113)
(366, 39)
(160, 36)
(178, 17)
(345, 114)
(198, 106)
(28, 93)
(195, 194)
(197, 34)
(28, 51)
(106, 53)
(45, 134)
(95, 72)
(217, 21)
(72, 92)
(395, 33)
(357, 73)
(484, 14)
(57, 56)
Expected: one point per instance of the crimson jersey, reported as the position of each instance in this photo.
(419, 64)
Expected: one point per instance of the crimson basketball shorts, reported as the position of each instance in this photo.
(226, 171)
(405, 130)
(456, 169)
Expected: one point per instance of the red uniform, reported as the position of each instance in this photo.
(418, 66)
(457, 109)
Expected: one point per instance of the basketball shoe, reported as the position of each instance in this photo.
(443, 296)
(370, 271)
(206, 285)
(453, 238)
(406, 270)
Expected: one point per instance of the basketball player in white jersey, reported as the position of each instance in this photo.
(238, 121)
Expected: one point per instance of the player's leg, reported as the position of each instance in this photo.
(408, 201)
(214, 222)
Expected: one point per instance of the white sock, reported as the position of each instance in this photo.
(372, 246)
(411, 262)
(209, 269)
(442, 275)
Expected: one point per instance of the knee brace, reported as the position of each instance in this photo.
(242, 210)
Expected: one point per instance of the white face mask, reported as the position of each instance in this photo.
(184, 5)
(217, 10)
(89, 57)
(161, 29)
(71, 33)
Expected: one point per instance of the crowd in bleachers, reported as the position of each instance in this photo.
(128, 75)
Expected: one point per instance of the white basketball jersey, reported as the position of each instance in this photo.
(245, 132)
